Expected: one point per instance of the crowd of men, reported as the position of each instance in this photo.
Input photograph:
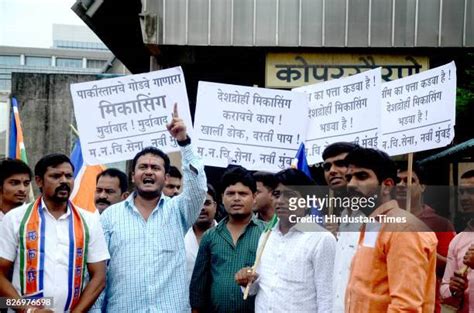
(157, 247)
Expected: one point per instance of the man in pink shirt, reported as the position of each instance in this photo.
(455, 283)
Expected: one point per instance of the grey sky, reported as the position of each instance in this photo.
(28, 23)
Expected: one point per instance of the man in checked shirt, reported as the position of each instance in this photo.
(145, 233)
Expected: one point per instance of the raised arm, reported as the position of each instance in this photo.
(190, 201)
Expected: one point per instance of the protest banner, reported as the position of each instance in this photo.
(418, 112)
(260, 129)
(345, 109)
(118, 117)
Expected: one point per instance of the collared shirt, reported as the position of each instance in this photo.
(213, 288)
(192, 246)
(394, 268)
(295, 273)
(347, 240)
(457, 249)
(56, 263)
(147, 269)
(1, 216)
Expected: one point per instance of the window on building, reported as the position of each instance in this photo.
(5, 80)
(65, 62)
(38, 61)
(4, 117)
(96, 63)
(10, 59)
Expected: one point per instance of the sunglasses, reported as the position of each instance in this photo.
(338, 163)
(209, 202)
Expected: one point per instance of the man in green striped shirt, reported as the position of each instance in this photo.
(226, 248)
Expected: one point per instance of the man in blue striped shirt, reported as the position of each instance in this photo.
(147, 269)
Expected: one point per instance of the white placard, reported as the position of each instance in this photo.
(258, 128)
(120, 116)
(345, 109)
(419, 112)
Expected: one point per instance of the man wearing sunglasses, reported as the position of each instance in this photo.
(295, 272)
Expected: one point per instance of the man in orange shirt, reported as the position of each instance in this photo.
(394, 268)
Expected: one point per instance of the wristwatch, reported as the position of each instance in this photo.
(185, 142)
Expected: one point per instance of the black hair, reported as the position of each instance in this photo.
(51, 160)
(467, 174)
(237, 174)
(378, 161)
(154, 151)
(267, 179)
(212, 192)
(417, 169)
(10, 167)
(174, 172)
(337, 148)
(293, 177)
(113, 172)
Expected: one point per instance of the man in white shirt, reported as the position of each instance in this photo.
(15, 179)
(49, 243)
(347, 233)
(204, 222)
(295, 273)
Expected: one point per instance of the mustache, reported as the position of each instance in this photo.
(63, 187)
(103, 201)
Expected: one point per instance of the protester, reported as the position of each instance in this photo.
(466, 212)
(15, 179)
(49, 243)
(204, 222)
(111, 187)
(226, 248)
(295, 273)
(335, 166)
(172, 182)
(263, 207)
(347, 233)
(394, 267)
(147, 271)
(443, 228)
(457, 289)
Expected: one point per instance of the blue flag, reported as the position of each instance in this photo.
(301, 162)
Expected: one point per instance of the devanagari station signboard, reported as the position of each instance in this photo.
(258, 128)
(118, 117)
(419, 112)
(345, 109)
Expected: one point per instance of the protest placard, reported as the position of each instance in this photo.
(120, 116)
(419, 112)
(345, 109)
(260, 129)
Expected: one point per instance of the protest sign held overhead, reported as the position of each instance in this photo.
(345, 109)
(418, 112)
(260, 129)
(118, 117)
